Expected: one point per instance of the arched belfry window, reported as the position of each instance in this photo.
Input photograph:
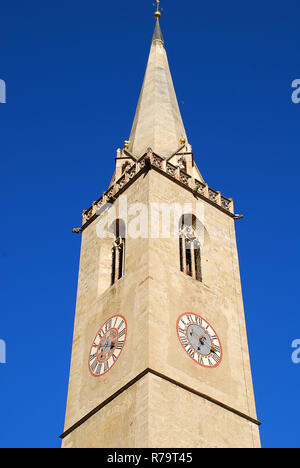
(118, 250)
(190, 247)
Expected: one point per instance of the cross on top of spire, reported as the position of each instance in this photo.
(157, 13)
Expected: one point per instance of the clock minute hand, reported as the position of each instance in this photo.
(201, 339)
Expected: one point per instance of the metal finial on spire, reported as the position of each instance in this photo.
(157, 14)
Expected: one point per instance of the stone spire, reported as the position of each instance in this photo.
(157, 124)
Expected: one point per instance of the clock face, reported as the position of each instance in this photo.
(199, 340)
(107, 345)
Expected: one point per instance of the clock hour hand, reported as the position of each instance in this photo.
(201, 340)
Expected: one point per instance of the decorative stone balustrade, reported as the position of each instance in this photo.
(184, 177)
(153, 161)
(171, 170)
(213, 195)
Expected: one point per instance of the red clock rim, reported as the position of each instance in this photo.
(125, 321)
(197, 315)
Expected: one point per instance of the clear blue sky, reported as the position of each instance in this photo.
(73, 71)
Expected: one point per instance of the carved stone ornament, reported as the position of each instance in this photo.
(188, 232)
(181, 163)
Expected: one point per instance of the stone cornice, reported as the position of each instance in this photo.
(168, 379)
(152, 161)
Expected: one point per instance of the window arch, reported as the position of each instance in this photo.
(190, 247)
(118, 250)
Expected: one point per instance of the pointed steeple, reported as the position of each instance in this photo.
(157, 124)
(157, 35)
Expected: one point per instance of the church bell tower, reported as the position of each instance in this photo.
(160, 356)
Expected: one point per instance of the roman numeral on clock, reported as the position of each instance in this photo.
(94, 365)
(200, 360)
(198, 319)
(184, 341)
(114, 358)
(116, 319)
(215, 357)
(106, 366)
(107, 345)
(197, 335)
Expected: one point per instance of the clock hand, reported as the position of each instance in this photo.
(211, 348)
(201, 340)
(204, 344)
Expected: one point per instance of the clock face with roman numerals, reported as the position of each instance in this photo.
(107, 345)
(199, 340)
